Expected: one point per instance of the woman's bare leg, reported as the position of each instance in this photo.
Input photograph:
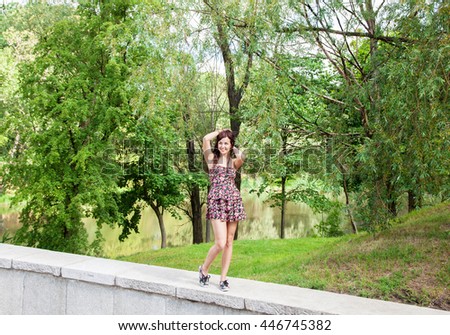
(228, 250)
(220, 241)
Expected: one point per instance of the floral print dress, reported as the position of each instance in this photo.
(224, 199)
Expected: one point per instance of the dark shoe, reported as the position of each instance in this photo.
(224, 286)
(203, 280)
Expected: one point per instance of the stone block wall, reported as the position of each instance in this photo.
(36, 281)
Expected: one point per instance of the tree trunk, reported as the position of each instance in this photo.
(347, 196)
(162, 228)
(197, 229)
(194, 191)
(391, 204)
(283, 206)
(347, 204)
(284, 139)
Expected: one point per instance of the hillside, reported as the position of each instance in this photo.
(408, 263)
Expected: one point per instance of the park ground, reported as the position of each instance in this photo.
(408, 263)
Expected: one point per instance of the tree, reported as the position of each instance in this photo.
(283, 137)
(148, 179)
(157, 171)
(415, 91)
(361, 42)
(21, 27)
(77, 102)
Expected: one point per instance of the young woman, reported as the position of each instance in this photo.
(224, 205)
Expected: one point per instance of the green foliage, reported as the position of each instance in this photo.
(99, 101)
(388, 132)
(77, 101)
(285, 124)
(409, 151)
(148, 177)
(332, 225)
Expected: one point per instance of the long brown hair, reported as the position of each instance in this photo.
(224, 133)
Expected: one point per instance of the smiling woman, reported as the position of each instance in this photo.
(224, 206)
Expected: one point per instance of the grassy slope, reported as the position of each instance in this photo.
(409, 263)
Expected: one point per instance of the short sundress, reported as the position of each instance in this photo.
(224, 199)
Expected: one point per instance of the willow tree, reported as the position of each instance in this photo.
(414, 86)
(362, 40)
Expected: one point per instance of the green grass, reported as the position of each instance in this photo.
(408, 263)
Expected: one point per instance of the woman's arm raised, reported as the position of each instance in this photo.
(240, 157)
(207, 139)
(207, 152)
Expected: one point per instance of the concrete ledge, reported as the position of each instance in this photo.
(36, 281)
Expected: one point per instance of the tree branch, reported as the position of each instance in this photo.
(297, 28)
(272, 63)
